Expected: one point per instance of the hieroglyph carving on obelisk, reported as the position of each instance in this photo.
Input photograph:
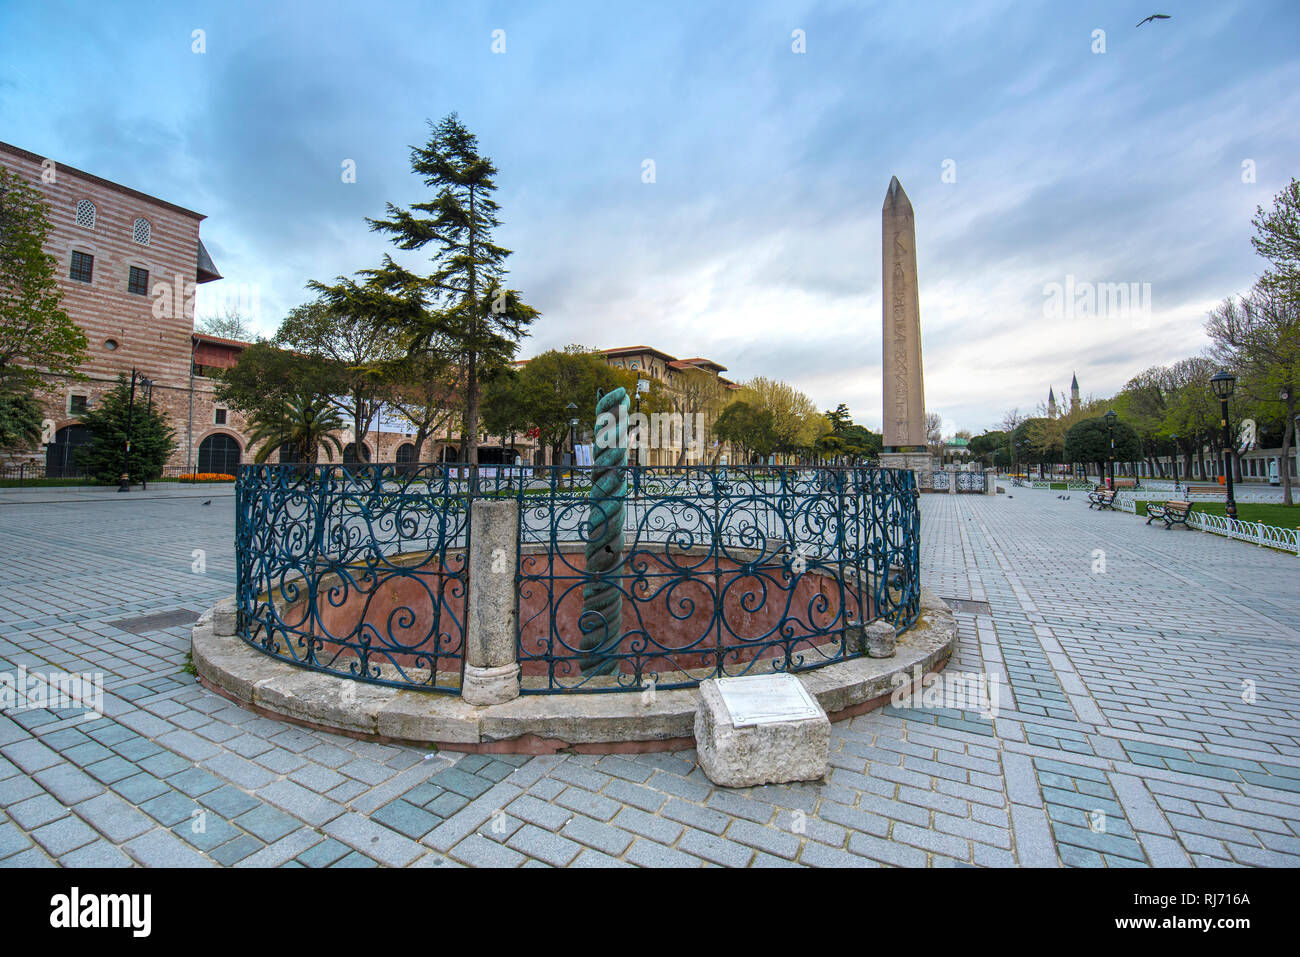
(903, 409)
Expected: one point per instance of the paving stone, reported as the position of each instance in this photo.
(266, 823)
(719, 850)
(325, 853)
(373, 840)
(114, 818)
(887, 852)
(407, 819)
(548, 816)
(596, 834)
(478, 851)
(36, 811)
(543, 845)
(64, 835)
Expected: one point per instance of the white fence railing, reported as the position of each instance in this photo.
(1257, 533)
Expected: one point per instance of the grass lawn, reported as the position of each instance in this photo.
(1270, 513)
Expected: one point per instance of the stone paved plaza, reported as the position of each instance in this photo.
(1126, 734)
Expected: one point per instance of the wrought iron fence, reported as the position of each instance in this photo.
(361, 570)
(357, 570)
(970, 482)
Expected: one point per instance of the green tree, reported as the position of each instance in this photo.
(1259, 336)
(36, 335)
(1089, 441)
(748, 427)
(1277, 239)
(357, 349)
(20, 420)
(506, 410)
(266, 377)
(463, 304)
(300, 423)
(424, 390)
(797, 423)
(550, 381)
(116, 420)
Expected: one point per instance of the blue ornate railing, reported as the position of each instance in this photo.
(357, 570)
(361, 570)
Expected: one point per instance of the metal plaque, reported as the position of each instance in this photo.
(767, 699)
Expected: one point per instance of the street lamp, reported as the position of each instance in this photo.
(573, 439)
(147, 386)
(125, 484)
(1222, 383)
(1110, 431)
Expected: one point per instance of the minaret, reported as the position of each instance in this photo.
(1051, 404)
(1074, 394)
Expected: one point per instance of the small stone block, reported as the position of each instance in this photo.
(881, 640)
(774, 751)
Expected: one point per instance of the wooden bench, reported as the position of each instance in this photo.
(1126, 483)
(1206, 490)
(1173, 513)
(1102, 498)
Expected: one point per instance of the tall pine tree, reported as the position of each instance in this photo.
(463, 305)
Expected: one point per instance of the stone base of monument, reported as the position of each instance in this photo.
(761, 729)
(916, 461)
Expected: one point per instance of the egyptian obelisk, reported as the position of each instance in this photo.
(903, 411)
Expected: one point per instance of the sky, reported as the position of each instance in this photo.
(1045, 161)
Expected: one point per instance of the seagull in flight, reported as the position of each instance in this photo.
(1156, 16)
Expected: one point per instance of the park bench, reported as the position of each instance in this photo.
(1205, 490)
(1174, 513)
(1102, 498)
(1125, 483)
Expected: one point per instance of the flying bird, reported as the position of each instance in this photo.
(208, 502)
(1156, 16)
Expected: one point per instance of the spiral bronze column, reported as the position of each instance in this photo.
(602, 599)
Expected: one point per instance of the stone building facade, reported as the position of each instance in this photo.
(128, 264)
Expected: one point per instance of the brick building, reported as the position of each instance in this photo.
(128, 264)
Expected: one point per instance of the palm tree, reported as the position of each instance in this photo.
(303, 423)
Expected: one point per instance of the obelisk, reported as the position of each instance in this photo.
(903, 410)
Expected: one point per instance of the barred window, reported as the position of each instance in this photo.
(86, 214)
(77, 404)
(83, 266)
(142, 231)
(220, 417)
(138, 283)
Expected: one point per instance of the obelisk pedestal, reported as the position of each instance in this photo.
(903, 409)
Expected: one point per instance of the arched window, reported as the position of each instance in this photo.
(86, 214)
(59, 459)
(142, 232)
(350, 454)
(219, 453)
(405, 457)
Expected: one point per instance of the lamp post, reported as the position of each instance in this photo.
(1110, 431)
(642, 385)
(147, 386)
(1173, 459)
(573, 439)
(1284, 396)
(1222, 383)
(125, 484)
